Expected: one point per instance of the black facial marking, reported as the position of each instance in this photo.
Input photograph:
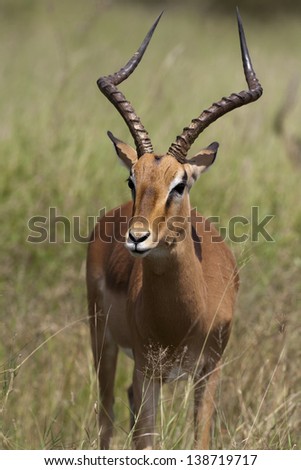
(131, 186)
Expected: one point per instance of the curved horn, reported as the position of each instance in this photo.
(108, 86)
(181, 146)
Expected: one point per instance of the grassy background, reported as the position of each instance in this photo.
(55, 153)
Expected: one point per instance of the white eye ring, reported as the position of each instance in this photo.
(179, 189)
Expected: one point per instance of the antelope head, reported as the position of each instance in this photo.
(160, 184)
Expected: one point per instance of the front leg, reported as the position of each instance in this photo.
(146, 395)
(204, 406)
(105, 353)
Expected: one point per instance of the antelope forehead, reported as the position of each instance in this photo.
(159, 180)
(158, 171)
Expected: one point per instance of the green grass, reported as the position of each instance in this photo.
(55, 153)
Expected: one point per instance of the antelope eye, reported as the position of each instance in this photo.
(179, 189)
(131, 184)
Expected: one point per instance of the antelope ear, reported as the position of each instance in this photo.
(203, 160)
(125, 152)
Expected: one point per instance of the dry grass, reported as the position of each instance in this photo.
(55, 154)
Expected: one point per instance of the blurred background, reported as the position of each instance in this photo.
(55, 153)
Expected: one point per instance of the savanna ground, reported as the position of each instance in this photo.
(55, 153)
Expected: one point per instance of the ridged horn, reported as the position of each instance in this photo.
(108, 86)
(182, 144)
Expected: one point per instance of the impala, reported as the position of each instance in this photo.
(163, 287)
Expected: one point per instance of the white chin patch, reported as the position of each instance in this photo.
(140, 254)
(137, 251)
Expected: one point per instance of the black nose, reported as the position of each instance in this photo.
(138, 237)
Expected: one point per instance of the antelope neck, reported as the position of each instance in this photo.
(173, 295)
(174, 281)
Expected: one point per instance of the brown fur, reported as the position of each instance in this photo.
(173, 306)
